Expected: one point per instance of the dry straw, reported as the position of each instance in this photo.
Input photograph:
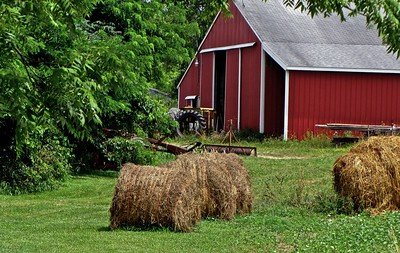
(240, 177)
(151, 196)
(370, 174)
(179, 193)
(219, 192)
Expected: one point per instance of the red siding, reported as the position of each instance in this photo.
(206, 79)
(274, 98)
(334, 97)
(229, 31)
(250, 88)
(190, 85)
(231, 88)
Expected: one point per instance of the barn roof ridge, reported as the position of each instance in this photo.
(313, 43)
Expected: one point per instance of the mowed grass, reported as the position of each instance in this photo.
(295, 210)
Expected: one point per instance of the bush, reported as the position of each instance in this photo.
(44, 165)
(121, 150)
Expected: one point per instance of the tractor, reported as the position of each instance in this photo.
(193, 120)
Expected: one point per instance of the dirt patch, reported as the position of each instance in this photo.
(281, 157)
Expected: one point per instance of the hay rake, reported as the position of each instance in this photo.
(171, 148)
(220, 148)
(240, 150)
(160, 145)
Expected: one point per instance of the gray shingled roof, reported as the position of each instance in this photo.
(297, 41)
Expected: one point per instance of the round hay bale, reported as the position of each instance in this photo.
(150, 196)
(240, 178)
(378, 144)
(370, 174)
(386, 150)
(213, 181)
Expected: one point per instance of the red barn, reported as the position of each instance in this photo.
(278, 71)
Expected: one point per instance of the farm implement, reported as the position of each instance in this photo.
(220, 148)
(160, 145)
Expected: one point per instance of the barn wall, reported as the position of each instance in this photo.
(190, 84)
(231, 88)
(250, 88)
(229, 31)
(206, 79)
(334, 97)
(274, 98)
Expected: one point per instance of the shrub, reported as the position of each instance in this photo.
(44, 164)
(121, 150)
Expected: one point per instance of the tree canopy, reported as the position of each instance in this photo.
(69, 64)
(70, 68)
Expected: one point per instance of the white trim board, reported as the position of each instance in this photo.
(286, 108)
(237, 46)
(262, 93)
(239, 88)
(382, 71)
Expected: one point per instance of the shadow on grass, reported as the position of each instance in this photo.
(139, 229)
(104, 229)
(98, 173)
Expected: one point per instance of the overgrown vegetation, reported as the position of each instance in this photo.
(121, 150)
(44, 165)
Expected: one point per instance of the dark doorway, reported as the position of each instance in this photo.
(219, 88)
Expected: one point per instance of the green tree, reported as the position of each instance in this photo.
(203, 12)
(165, 29)
(63, 73)
(41, 92)
(44, 76)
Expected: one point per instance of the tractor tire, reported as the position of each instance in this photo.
(190, 121)
(173, 112)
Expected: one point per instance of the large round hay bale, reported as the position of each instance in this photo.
(364, 180)
(370, 174)
(240, 178)
(152, 196)
(214, 182)
(386, 150)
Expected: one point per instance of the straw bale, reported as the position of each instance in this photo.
(150, 196)
(240, 178)
(386, 150)
(370, 174)
(233, 165)
(178, 194)
(219, 194)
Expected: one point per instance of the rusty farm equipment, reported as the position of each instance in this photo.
(221, 148)
(160, 145)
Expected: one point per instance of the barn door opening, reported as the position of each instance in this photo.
(219, 88)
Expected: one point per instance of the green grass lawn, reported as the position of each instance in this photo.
(295, 210)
